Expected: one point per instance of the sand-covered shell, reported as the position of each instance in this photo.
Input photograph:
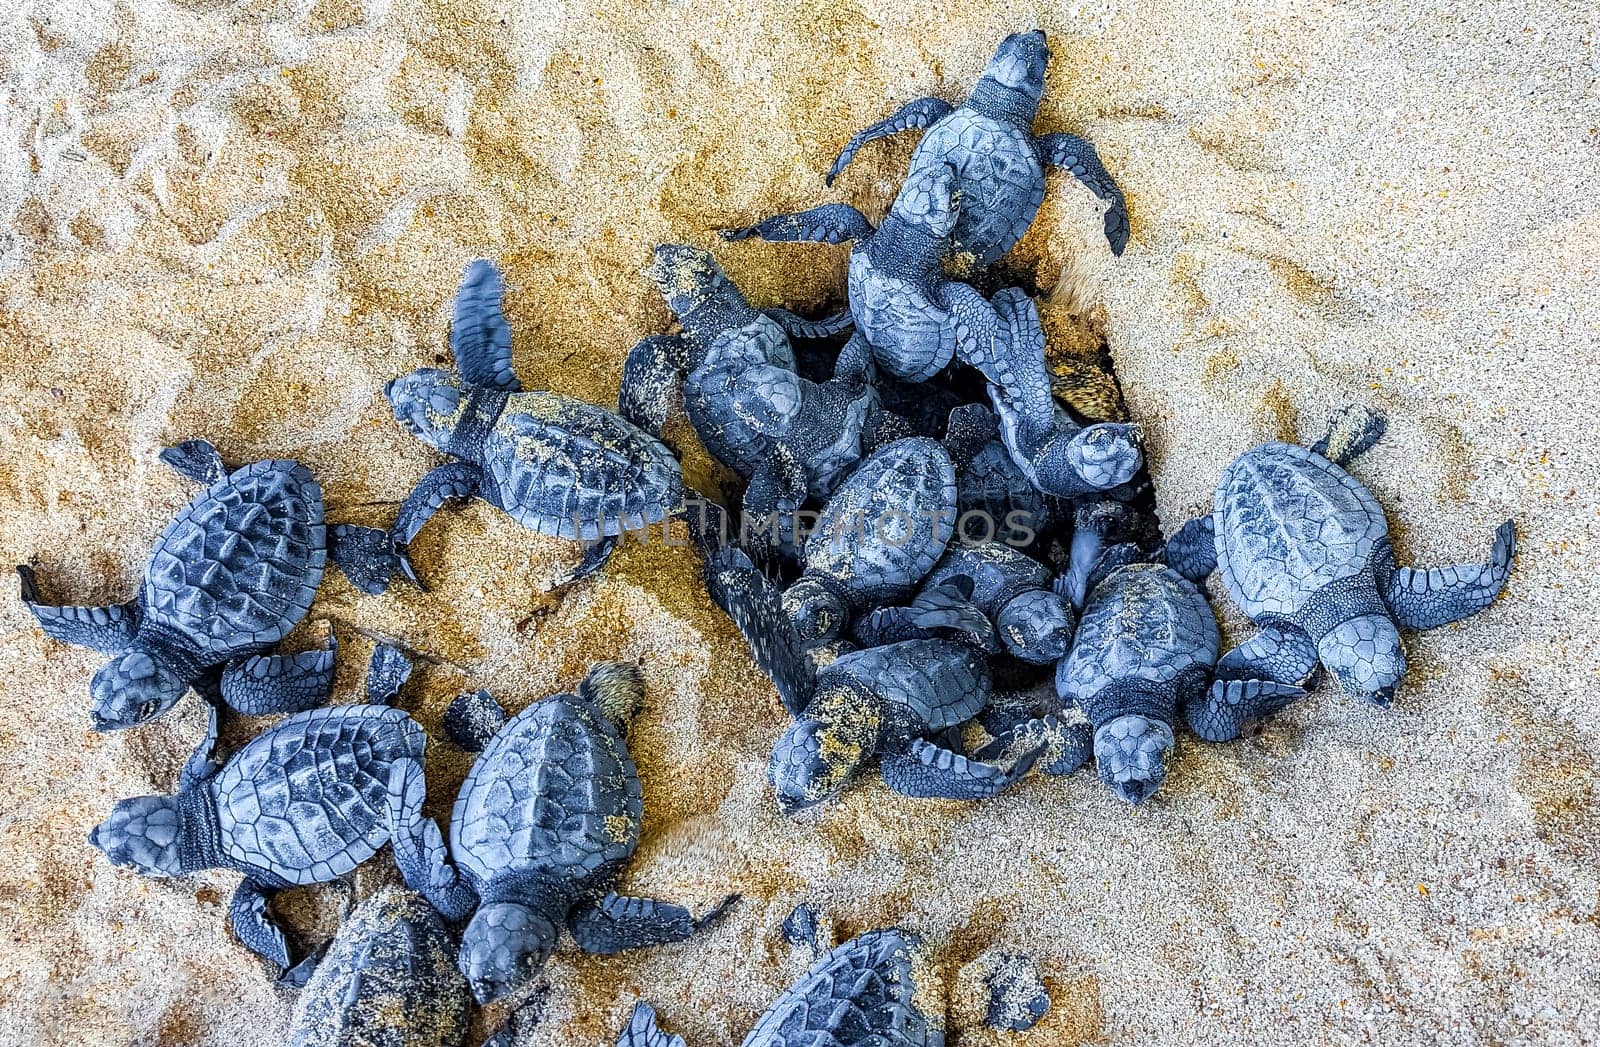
(563, 467)
(554, 792)
(919, 675)
(877, 990)
(1142, 622)
(236, 570)
(388, 980)
(888, 524)
(309, 800)
(1288, 523)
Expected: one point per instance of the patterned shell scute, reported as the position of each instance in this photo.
(862, 994)
(708, 391)
(555, 791)
(388, 980)
(236, 570)
(994, 484)
(998, 572)
(563, 467)
(1143, 622)
(999, 176)
(1288, 523)
(941, 682)
(888, 524)
(308, 800)
(909, 333)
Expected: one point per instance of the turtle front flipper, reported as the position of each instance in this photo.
(796, 326)
(196, 460)
(1078, 156)
(615, 922)
(828, 224)
(1282, 654)
(1004, 342)
(1351, 433)
(1221, 713)
(1192, 551)
(419, 847)
(776, 491)
(919, 114)
(253, 925)
(452, 481)
(472, 719)
(367, 556)
(653, 371)
(642, 1030)
(109, 630)
(756, 608)
(925, 770)
(202, 763)
(943, 610)
(480, 338)
(1424, 599)
(280, 683)
(387, 672)
(596, 554)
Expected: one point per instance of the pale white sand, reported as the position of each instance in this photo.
(238, 220)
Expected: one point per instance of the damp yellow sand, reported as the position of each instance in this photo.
(238, 219)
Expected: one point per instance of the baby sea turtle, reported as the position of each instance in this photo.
(881, 532)
(1146, 644)
(881, 989)
(304, 802)
(542, 826)
(556, 465)
(888, 701)
(388, 980)
(227, 580)
(788, 436)
(1304, 551)
(912, 316)
(999, 163)
(1008, 586)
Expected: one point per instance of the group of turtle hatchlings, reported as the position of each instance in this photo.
(889, 631)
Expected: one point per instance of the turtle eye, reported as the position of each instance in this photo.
(147, 710)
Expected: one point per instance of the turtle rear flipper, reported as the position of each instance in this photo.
(642, 1030)
(480, 338)
(1424, 599)
(615, 922)
(109, 630)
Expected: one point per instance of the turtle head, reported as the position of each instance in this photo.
(503, 947)
(816, 609)
(1132, 753)
(767, 399)
(1017, 69)
(142, 834)
(929, 200)
(1036, 626)
(430, 403)
(1105, 455)
(132, 689)
(695, 288)
(817, 756)
(1367, 657)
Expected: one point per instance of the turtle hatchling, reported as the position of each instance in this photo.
(227, 580)
(913, 317)
(891, 702)
(304, 802)
(545, 821)
(1146, 644)
(556, 465)
(881, 989)
(999, 162)
(789, 437)
(388, 980)
(1304, 551)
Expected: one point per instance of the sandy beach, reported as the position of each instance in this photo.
(238, 220)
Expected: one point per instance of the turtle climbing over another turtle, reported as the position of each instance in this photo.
(556, 465)
(1008, 586)
(1146, 645)
(912, 317)
(227, 580)
(388, 980)
(303, 802)
(875, 990)
(895, 702)
(1304, 551)
(791, 438)
(543, 824)
(999, 162)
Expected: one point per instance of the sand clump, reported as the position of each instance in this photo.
(238, 218)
